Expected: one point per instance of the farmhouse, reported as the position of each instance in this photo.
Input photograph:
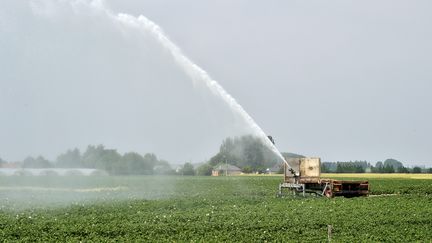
(225, 169)
(10, 165)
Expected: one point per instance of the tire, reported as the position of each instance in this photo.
(328, 193)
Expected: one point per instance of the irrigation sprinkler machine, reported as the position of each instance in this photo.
(303, 176)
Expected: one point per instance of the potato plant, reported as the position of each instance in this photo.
(209, 209)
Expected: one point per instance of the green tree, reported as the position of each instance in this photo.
(110, 161)
(379, 167)
(204, 170)
(429, 170)
(247, 169)
(136, 164)
(105, 159)
(351, 167)
(328, 167)
(253, 153)
(339, 168)
(150, 161)
(43, 163)
(394, 163)
(417, 170)
(70, 159)
(163, 168)
(325, 168)
(39, 162)
(359, 169)
(188, 169)
(92, 156)
(245, 151)
(388, 169)
(403, 169)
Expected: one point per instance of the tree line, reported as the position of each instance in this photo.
(99, 157)
(388, 166)
(247, 152)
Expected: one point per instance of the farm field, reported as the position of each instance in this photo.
(209, 209)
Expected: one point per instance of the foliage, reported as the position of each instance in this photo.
(225, 209)
(379, 167)
(245, 151)
(349, 167)
(101, 158)
(345, 167)
(417, 170)
(188, 169)
(162, 167)
(134, 164)
(393, 163)
(204, 170)
(247, 169)
(110, 160)
(388, 166)
(326, 168)
(388, 169)
(39, 162)
(70, 159)
(402, 169)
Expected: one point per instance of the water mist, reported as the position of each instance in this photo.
(127, 22)
(196, 73)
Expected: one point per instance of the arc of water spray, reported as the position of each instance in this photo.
(195, 72)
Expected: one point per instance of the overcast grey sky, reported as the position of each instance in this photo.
(343, 80)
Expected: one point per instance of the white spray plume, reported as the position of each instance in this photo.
(196, 73)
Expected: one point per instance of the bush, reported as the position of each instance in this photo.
(188, 169)
(417, 170)
(204, 170)
(247, 169)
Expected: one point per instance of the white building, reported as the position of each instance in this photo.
(50, 172)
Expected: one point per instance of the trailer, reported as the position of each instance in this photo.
(302, 176)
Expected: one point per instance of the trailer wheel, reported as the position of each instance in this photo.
(328, 193)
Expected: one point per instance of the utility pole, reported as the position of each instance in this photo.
(226, 165)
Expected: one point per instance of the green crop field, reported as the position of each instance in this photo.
(207, 209)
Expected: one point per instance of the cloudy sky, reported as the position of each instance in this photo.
(343, 80)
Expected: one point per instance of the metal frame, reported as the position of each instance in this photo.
(313, 184)
(294, 187)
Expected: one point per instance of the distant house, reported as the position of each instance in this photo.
(226, 169)
(11, 165)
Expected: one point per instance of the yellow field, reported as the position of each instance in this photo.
(360, 175)
(376, 175)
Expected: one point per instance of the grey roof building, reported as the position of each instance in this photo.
(222, 169)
